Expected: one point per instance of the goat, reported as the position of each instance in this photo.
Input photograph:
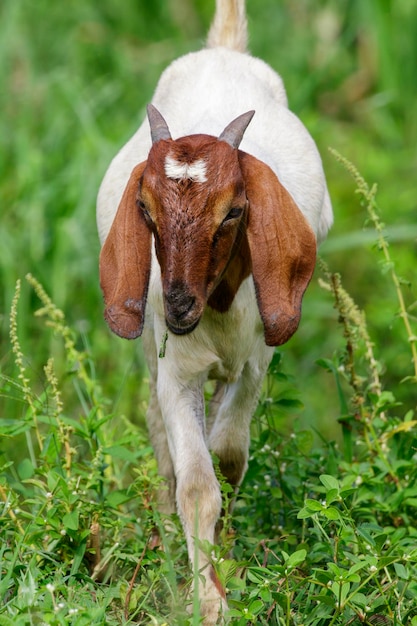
(210, 237)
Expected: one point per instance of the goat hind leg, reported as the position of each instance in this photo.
(230, 429)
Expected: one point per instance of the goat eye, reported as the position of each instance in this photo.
(142, 206)
(233, 214)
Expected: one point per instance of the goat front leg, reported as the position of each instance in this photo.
(198, 493)
(156, 429)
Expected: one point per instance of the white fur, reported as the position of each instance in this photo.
(182, 171)
(201, 93)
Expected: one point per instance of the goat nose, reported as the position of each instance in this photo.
(179, 301)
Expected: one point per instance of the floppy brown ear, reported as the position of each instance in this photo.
(283, 250)
(125, 263)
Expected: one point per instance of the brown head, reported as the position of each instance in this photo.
(216, 215)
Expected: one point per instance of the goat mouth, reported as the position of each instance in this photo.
(182, 329)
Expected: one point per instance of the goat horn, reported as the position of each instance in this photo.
(233, 133)
(159, 127)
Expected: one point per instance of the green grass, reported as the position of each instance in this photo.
(327, 509)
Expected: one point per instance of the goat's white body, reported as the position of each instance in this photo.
(201, 93)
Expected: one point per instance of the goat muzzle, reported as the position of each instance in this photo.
(182, 312)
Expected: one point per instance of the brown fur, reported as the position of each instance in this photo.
(204, 258)
(283, 248)
(125, 262)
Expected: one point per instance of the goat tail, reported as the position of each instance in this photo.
(229, 26)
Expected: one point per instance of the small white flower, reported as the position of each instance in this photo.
(50, 588)
(49, 495)
(63, 532)
(373, 569)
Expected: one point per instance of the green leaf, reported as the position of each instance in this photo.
(71, 520)
(357, 567)
(332, 513)
(255, 577)
(265, 595)
(305, 513)
(115, 498)
(359, 599)
(336, 571)
(329, 482)
(256, 607)
(341, 591)
(25, 469)
(78, 557)
(401, 571)
(354, 578)
(120, 452)
(332, 495)
(296, 558)
(363, 532)
(314, 505)
(226, 570)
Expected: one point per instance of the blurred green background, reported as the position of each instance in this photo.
(75, 78)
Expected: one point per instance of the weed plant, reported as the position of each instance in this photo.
(75, 83)
(324, 534)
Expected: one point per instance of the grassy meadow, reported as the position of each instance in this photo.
(325, 526)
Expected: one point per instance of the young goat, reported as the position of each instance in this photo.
(214, 245)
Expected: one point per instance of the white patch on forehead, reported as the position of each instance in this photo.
(196, 171)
